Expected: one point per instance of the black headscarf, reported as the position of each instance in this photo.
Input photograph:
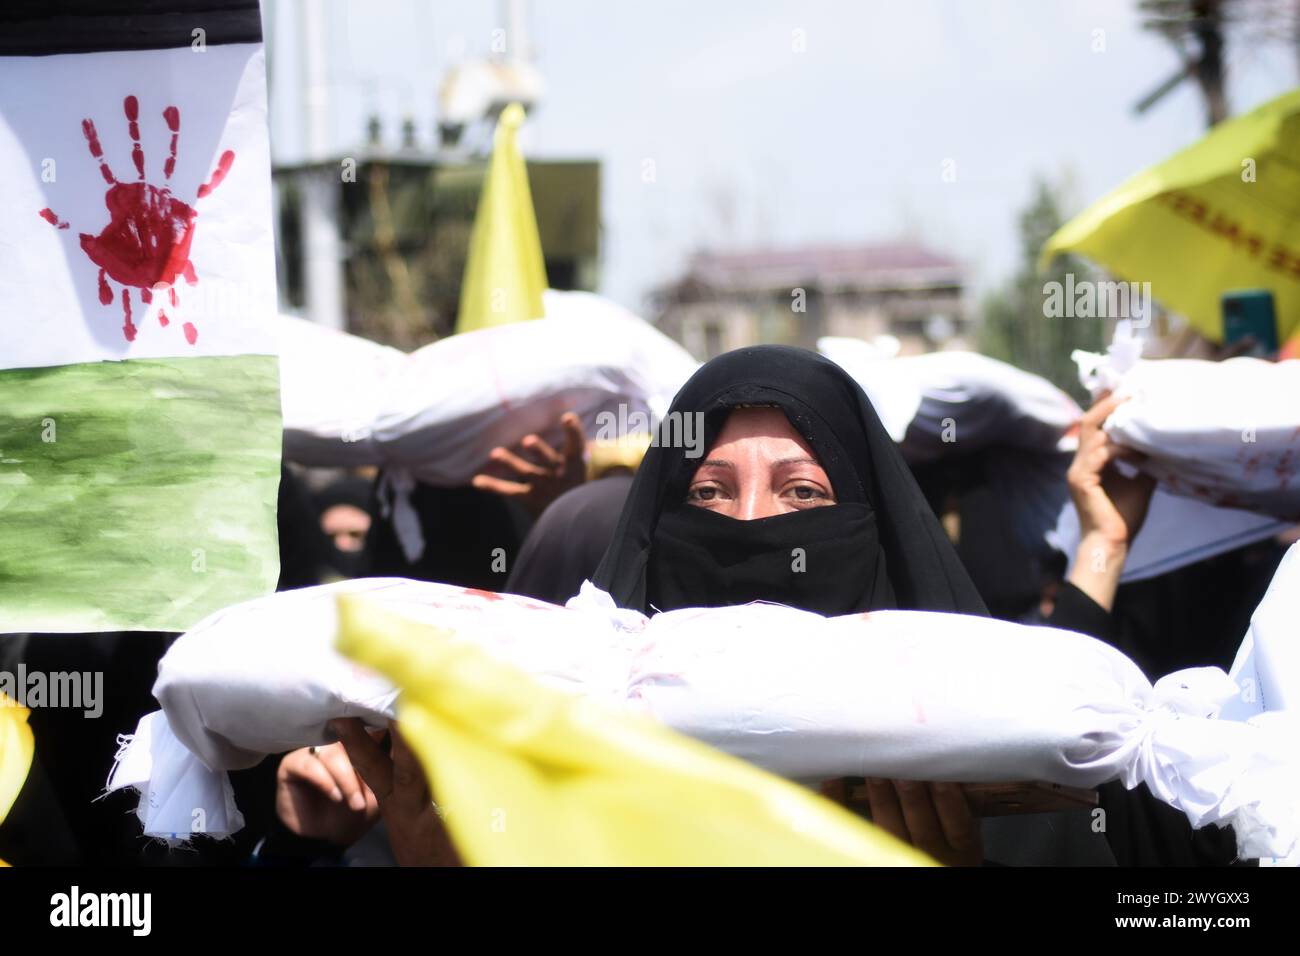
(471, 538)
(879, 546)
(350, 490)
(565, 545)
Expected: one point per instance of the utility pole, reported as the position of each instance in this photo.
(322, 242)
(1207, 26)
(1188, 23)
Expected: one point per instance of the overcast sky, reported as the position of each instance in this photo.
(755, 144)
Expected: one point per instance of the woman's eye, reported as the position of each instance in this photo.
(808, 493)
(705, 493)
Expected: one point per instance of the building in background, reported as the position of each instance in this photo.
(373, 241)
(390, 229)
(793, 296)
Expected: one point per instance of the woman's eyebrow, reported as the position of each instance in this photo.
(797, 461)
(717, 463)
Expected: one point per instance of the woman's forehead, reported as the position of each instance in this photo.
(764, 425)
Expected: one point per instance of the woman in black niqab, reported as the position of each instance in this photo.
(878, 546)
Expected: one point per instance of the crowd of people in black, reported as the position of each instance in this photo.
(796, 458)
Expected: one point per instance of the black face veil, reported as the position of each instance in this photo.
(879, 547)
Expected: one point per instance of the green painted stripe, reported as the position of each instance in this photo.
(137, 495)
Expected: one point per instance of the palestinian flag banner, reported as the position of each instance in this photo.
(139, 396)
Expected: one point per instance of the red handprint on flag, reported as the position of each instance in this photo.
(146, 244)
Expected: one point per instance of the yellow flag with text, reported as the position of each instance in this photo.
(504, 272)
(526, 775)
(1222, 215)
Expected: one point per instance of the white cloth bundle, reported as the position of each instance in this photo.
(1226, 433)
(331, 388)
(1267, 666)
(897, 693)
(929, 696)
(440, 410)
(956, 401)
(263, 677)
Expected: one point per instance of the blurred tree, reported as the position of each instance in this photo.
(1014, 327)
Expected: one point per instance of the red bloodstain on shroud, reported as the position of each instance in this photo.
(48, 215)
(146, 244)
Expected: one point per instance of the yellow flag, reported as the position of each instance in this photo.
(626, 451)
(1223, 214)
(526, 775)
(16, 748)
(504, 273)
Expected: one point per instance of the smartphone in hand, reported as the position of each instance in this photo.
(1249, 322)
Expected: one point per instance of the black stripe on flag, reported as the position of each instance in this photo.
(46, 27)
